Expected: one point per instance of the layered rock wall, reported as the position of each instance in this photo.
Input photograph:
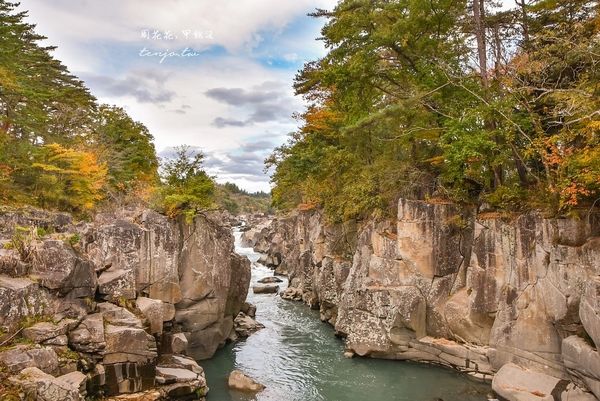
(120, 300)
(443, 285)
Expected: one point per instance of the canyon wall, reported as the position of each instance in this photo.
(124, 304)
(442, 285)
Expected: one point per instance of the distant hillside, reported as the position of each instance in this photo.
(239, 201)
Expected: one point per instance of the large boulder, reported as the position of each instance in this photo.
(21, 357)
(583, 361)
(128, 344)
(155, 311)
(76, 380)
(20, 298)
(45, 331)
(240, 382)
(116, 283)
(245, 325)
(118, 316)
(89, 335)
(58, 267)
(265, 289)
(11, 263)
(180, 377)
(517, 384)
(41, 386)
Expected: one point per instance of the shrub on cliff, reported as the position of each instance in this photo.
(186, 188)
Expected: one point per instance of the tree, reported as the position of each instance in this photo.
(126, 147)
(479, 28)
(186, 188)
(396, 108)
(39, 98)
(49, 117)
(67, 178)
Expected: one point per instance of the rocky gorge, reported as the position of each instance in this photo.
(512, 299)
(121, 307)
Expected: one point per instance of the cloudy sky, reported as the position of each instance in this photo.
(213, 74)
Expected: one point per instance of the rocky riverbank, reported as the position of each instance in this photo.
(119, 307)
(490, 295)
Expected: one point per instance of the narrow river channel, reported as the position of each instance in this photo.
(298, 358)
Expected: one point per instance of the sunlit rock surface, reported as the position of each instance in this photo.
(443, 285)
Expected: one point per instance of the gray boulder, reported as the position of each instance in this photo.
(517, 384)
(21, 357)
(11, 263)
(265, 289)
(45, 331)
(245, 325)
(128, 344)
(89, 335)
(270, 280)
(118, 316)
(154, 311)
(41, 386)
(57, 267)
(19, 298)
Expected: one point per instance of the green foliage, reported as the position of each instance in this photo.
(68, 354)
(186, 188)
(508, 198)
(127, 149)
(30, 320)
(22, 242)
(38, 96)
(397, 109)
(74, 239)
(58, 148)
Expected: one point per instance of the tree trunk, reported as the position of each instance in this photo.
(478, 19)
(524, 22)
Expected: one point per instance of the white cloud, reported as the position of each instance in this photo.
(235, 24)
(99, 40)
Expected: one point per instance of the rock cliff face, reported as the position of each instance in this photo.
(445, 286)
(120, 300)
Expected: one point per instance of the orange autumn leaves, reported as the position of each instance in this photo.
(69, 178)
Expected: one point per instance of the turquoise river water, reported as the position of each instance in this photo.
(298, 358)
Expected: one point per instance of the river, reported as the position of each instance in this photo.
(298, 358)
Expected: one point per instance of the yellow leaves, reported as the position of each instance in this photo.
(437, 160)
(70, 176)
(7, 79)
(591, 128)
(47, 167)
